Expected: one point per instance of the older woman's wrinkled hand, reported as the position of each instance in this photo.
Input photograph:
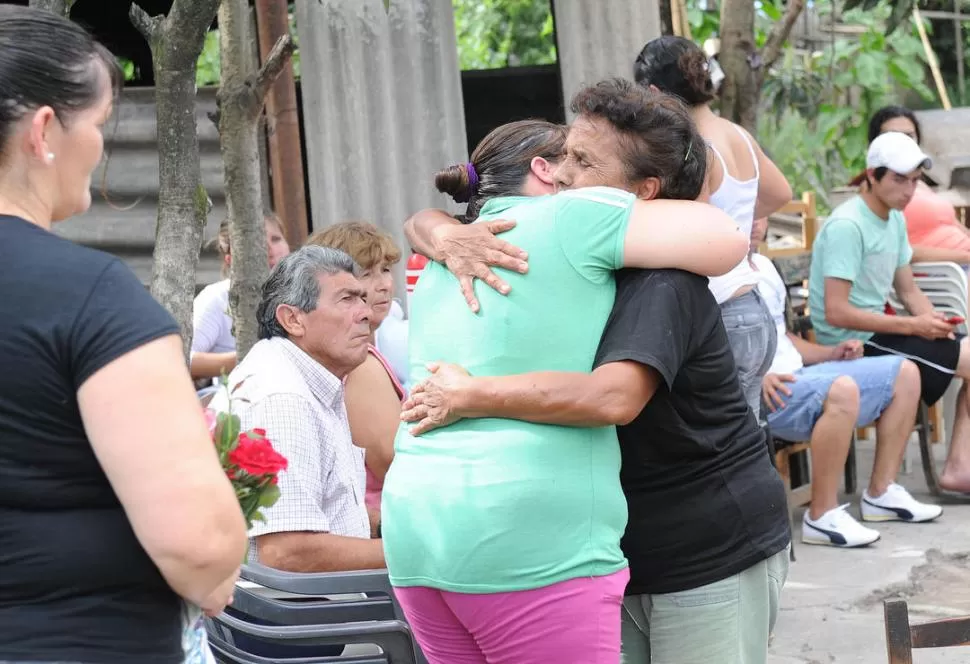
(470, 251)
(438, 400)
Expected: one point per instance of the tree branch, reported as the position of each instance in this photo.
(59, 7)
(780, 32)
(147, 25)
(190, 20)
(193, 15)
(273, 66)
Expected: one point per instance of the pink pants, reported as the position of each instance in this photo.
(572, 622)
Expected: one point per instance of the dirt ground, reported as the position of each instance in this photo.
(832, 605)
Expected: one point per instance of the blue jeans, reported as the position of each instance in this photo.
(753, 338)
(725, 622)
(875, 376)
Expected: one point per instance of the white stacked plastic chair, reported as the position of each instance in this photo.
(945, 286)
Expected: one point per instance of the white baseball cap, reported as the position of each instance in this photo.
(897, 152)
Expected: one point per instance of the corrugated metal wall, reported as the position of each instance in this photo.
(597, 39)
(122, 220)
(382, 108)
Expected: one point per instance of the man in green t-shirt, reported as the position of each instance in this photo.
(860, 254)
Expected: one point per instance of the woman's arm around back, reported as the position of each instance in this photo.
(686, 235)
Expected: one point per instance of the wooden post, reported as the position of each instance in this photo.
(931, 58)
(898, 639)
(283, 127)
(809, 220)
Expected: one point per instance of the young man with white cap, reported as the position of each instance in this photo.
(860, 254)
(821, 394)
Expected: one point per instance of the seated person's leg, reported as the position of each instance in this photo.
(894, 420)
(938, 361)
(956, 473)
(889, 389)
(823, 408)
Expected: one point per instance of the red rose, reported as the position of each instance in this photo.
(256, 456)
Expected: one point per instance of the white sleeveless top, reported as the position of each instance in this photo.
(738, 199)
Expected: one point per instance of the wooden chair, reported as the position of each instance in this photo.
(807, 209)
(902, 637)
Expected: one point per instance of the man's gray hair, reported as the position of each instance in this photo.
(294, 282)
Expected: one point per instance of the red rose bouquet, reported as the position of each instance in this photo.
(250, 462)
(253, 468)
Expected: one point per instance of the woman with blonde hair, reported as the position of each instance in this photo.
(373, 393)
(113, 504)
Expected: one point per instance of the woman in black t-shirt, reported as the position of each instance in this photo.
(113, 505)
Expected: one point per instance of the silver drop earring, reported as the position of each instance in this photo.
(50, 157)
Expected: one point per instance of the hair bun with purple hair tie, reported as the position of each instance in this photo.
(472, 183)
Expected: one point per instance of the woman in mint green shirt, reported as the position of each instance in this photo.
(502, 536)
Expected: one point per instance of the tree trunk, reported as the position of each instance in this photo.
(60, 7)
(739, 59)
(241, 98)
(666, 19)
(176, 42)
(744, 67)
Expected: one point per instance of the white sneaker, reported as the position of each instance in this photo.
(896, 505)
(836, 528)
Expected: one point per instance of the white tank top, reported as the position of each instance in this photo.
(738, 199)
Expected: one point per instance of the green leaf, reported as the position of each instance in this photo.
(906, 72)
(269, 495)
(208, 69)
(869, 71)
(902, 9)
(695, 17)
(924, 91)
(227, 432)
(771, 10)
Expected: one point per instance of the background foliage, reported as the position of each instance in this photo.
(504, 33)
(817, 105)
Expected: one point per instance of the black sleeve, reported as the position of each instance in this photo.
(650, 324)
(118, 316)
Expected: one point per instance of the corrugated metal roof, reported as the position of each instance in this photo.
(597, 39)
(382, 108)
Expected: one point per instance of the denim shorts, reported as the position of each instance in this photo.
(753, 337)
(875, 376)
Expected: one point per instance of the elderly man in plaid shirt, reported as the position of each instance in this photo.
(314, 330)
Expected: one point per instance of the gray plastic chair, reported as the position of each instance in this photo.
(393, 637)
(313, 620)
